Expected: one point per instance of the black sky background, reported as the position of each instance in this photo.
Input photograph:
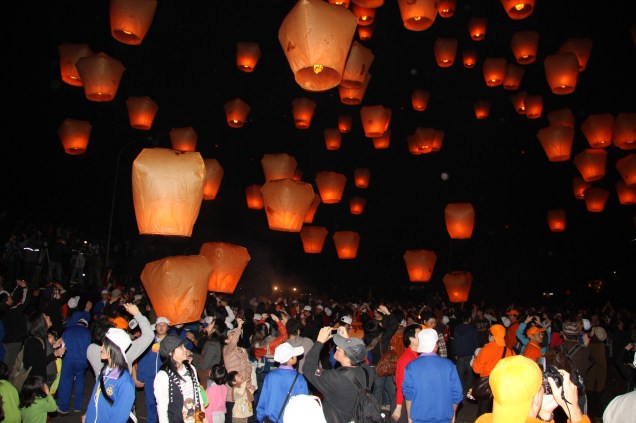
(186, 64)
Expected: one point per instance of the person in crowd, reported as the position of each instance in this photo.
(597, 374)
(311, 325)
(217, 394)
(211, 346)
(38, 353)
(36, 402)
(429, 320)
(176, 386)
(464, 345)
(384, 386)
(98, 308)
(53, 337)
(621, 408)
(339, 393)
(15, 325)
(76, 338)
(511, 334)
(294, 329)
(9, 396)
(265, 342)
(410, 339)
(242, 408)
(279, 382)
(113, 396)
(481, 324)
(523, 336)
(432, 389)
(236, 359)
(113, 303)
(536, 335)
(575, 350)
(248, 328)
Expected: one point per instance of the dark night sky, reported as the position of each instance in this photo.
(186, 64)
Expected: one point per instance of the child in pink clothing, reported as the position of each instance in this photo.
(217, 391)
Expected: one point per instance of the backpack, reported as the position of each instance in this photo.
(366, 408)
(18, 373)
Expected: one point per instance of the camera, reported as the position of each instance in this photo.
(549, 370)
(334, 331)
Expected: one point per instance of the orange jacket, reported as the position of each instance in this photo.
(532, 351)
(488, 357)
(282, 337)
(511, 335)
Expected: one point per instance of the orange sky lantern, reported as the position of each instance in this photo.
(595, 199)
(141, 112)
(228, 261)
(183, 139)
(579, 186)
(365, 15)
(624, 131)
(469, 58)
(420, 264)
(524, 46)
(75, 135)
(253, 197)
(357, 66)
(626, 195)
(313, 238)
(494, 69)
(333, 138)
(311, 213)
(278, 166)
(445, 50)
(286, 203)
(236, 112)
(598, 130)
(556, 142)
(344, 123)
(626, 166)
(477, 27)
(347, 243)
(482, 108)
(357, 205)
(131, 19)
(557, 219)
(361, 177)
(69, 54)
(562, 72)
(383, 141)
(534, 106)
(330, 186)
(562, 117)
(247, 55)
(460, 220)
(353, 96)
(417, 15)
(581, 47)
(519, 102)
(213, 177)
(375, 120)
(518, 9)
(419, 99)
(446, 8)
(591, 164)
(100, 75)
(457, 284)
(514, 75)
(303, 110)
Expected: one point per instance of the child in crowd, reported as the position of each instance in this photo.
(242, 402)
(36, 400)
(216, 392)
(52, 336)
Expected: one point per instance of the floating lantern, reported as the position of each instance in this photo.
(347, 243)
(74, 135)
(330, 186)
(141, 112)
(131, 19)
(298, 174)
(100, 75)
(383, 141)
(556, 142)
(375, 120)
(438, 140)
(518, 9)
(303, 111)
(361, 177)
(228, 261)
(595, 199)
(286, 203)
(514, 75)
(316, 37)
(278, 166)
(313, 238)
(167, 187)
(213, 177)
(557, 219)
(333, 138)
(344, 123)
(353, 96)
(419, 99)
(562, 72)
(69, 55)
(519, 102)
(524, 46)
(343, 3)
(365, 33)
(626, 166)
(236, 112)
(177, 287)
(581, 47)
(417, 15)
(477, 27)
(482, 109)
(445, 51)
(365, 15)
(469, 58)
(460, 220)
(624, 131)
(254, 197)
(423, 139)
(626, 195)
(579, 186)
(494, 70)
(420, 264)
(357, 205)
(374, 4)
(311, 213)
(534, 106)
(183, 139)
(598, 130)
(247, 55)
(458, 285)
(357, 66)
(562, 117)
(591, 164)
(446, 8)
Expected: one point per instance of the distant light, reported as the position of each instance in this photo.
(444, 176)
(413, 71)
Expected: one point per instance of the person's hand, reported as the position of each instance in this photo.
(397, 412)
(131, 308)
(83, 418)
(342, 331)
(529, 319)
(89, 305)
(59, 352)
(284, 317)
(139, 384)
(239, 322)
(275, 318)
(571, 393)
(58, 343)
(324, 335)
(629, 346)
(45, 388)
(190, 336)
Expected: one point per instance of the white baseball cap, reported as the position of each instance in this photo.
(285, 351)
(307, 308)
(426, 340)
(161, 320)
(120, 338)
(347, 320)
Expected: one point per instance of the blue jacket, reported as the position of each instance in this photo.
(77, 339)
(121, 388)
(76, 315)
(149, 363)
(274, 391)
(432, 385)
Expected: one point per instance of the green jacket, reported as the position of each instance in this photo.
(38, 411)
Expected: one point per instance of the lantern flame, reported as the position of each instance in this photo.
(318, 69)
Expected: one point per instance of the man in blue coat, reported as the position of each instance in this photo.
(77, 338)
(148, 366)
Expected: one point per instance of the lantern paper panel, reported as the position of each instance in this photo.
(460, 220)
(417, 15)
(562, 117)
(524, 45)
(591, 164)
(624, 131)
(131, 19)
(420, 264)
(141, 112)
(446, 8)
(330, 186)
(247, 55)
(236, 112)
(183, 139)
(357, 205)
(562, 72)
(303, 110)
(581, 47)
(445, 50)
(213, 177)
(518, 9)
(311, 213)
(347, 243)
(333, 138)
(375, 120)
(357, 66)
(75, 135)
(316, 37)
(167, 187)
(344, 123)
(177, 287)
(100, 75)
(557, 219)
(353, 96)
(253, 197)
(69, 54)
(494, 69)
(419, 99)
(626, 195)
(278, 166)
(313, 238)
(579, 186)
(457, 284)
(227, 261)
(626, 166)
(477, 27)
(286, 203)
(361, 177)
(595, 199)
(383, 141)
(556, 142)
(598, 130)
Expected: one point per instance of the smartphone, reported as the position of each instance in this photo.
(334, 331)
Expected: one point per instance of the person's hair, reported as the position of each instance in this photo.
(36, 325)
(231, 377)
(372, 329)
(32, 389)
(170, 365)
(220, 331)
(294, 327)
(99, 329)
(261, 331)
(218, 374)
(248, 314)
(409, 332)
(117, 358)
(4, 371)
(427, 315)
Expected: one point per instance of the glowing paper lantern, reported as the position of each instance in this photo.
(460, 220)
(383, 141)
(286, 203)
(357, 205)
(469, 57)
(562, 117)
(494, 70)
(365, 15)
(361, 177)
(247, 55)
(316, 37)
(100, 75)
(253, 197)
(177, 287)
(228, 261)
(333, 138)
(438, 140)
(598, 130)
(74, 135)
(298, 174)
(518, 9)
(365, 33)
(278, 166)
(353, 96)
(626, 195)
(303, 111)
(69, 54)
(477, 27)
(595, 199)
(167, 187)
(344, 123)
(131, 19)
(534, 106)
(562, 72)
(213, 177)
(519, 102)
(581, 47)
(311, 213)
(141, 112)
(482, 109)
(524, 46)
(423, 139)
(445, 50)
(330, 186)
(624, 131)
(357, 66)
(579, 186)
(419, 99)
(343, 3)
(557, 220)
(313, 238)
(417, 15)
(375, 120)
(183, 139)
(347, 243)
(556, 142)
(420, 264)
(374, 4)
(457, 284)
(514, 75)
(236, 112)
(626, 166)
(446, 8)
(591, 164)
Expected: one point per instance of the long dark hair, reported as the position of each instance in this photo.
(36, 326)
(117, 357)
(32, 389)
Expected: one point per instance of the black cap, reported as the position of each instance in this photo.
(169, 344)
